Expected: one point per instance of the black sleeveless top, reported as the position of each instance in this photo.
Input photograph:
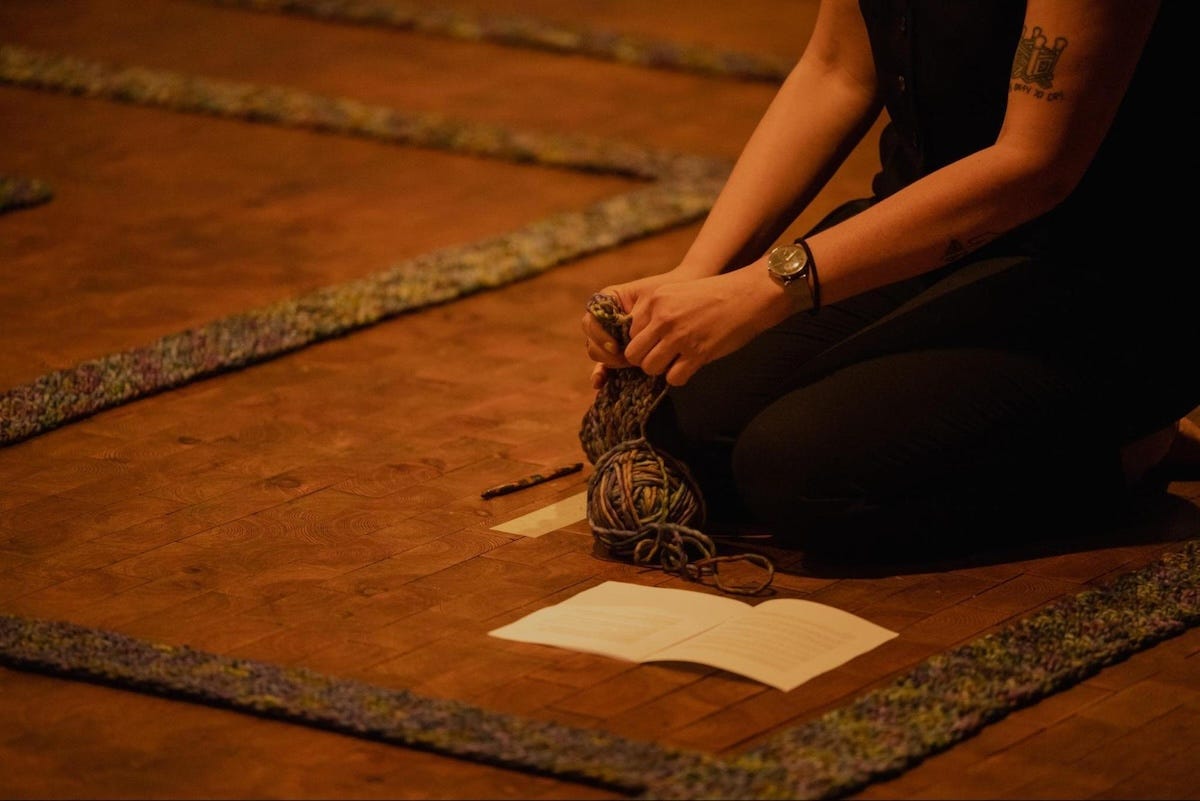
(945, 68)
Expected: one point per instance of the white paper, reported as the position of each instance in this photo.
(626, 621)
(782, 643)
(548, 518)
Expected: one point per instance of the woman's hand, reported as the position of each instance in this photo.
(601, 347)
(681, 326)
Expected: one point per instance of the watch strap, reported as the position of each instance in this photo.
(814, 285)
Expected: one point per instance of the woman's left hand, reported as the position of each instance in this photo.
(680, 327)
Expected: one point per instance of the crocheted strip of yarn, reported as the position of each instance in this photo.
(623, 405)
(295, 108)
(301, 696)
(532, 32)
(19, 193)
(608, 312)
(683, 188)
(935, 704)
(620, 411)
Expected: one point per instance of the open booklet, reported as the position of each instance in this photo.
(783, 642)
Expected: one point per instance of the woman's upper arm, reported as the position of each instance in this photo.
(1071, 68)
(840, 48)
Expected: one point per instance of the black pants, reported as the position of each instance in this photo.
(972, 406)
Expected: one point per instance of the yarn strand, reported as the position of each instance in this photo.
(643, 504)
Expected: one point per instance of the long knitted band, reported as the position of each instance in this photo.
(533, 32)
(926, 709)
(302, 696)
(683, 189)
(293, 108)
(950, 696)
(20, 193)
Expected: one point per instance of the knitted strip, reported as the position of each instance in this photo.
(625, 401)
(302, 696)
(533, 32)
(683, 190)
(939, 702)
(293, 108)
(20, 193)
(952, 695)
(63, 396)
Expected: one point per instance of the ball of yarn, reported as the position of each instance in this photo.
(634, 486)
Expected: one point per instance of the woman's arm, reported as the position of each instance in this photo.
(1048, 138)
(820, 113)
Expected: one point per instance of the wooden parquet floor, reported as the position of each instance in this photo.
(323, 509)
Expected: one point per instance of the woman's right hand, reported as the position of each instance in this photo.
(601, 347)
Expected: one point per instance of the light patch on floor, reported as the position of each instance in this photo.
(548, 518)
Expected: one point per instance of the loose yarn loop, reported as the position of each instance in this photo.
(643, 504)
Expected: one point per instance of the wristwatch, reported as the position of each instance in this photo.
(792, 267)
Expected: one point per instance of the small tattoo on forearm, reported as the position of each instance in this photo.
(959, 248)
(1034, 64)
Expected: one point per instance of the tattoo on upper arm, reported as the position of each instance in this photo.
(1033, 66)
(958, 248)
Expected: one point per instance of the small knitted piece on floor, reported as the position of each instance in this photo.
(642, 503)
(19, 193)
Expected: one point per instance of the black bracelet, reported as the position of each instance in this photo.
(814, 284)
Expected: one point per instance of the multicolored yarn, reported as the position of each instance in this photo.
(63, 396)
(525, 31)
(683, 189)
(952, 695)
(302, 696)
(642, 503)
(928, 708)
(294, 108)
(20, 193)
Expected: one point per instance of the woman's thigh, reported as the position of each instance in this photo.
(1011, 303)
(1005, 375)
(922, 447)
(722, 397)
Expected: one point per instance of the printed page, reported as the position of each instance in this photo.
(782, 643)
(626, 621)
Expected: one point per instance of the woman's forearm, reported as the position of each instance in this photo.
(933, 222)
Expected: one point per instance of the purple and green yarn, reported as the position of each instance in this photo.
(679, 189)
(532, 32)
(927, 709)
(950, 696)
(238, 340)
(293, 108)
(301, 696)
(20, 193)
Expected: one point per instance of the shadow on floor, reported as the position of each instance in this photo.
(1150, 517)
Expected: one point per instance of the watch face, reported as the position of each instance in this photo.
(787, 261)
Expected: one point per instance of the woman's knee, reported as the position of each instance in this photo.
(903, 442)
(790, 476)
